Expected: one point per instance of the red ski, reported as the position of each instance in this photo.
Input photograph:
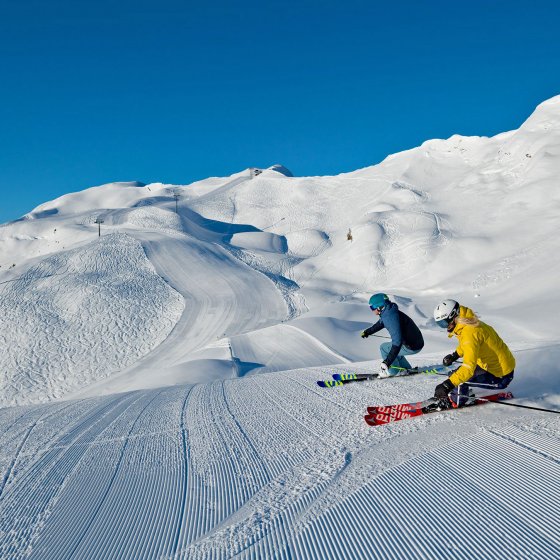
(378, 415)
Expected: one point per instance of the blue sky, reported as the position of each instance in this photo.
(176, 91)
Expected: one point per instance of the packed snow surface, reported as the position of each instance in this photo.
(158, 381)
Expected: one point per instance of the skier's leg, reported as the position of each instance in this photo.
(481, 380)
(385, 348)
(401, 361)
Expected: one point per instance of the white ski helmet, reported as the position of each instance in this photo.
(445, 312)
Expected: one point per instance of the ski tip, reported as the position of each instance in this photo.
(375, 419)
(328, 384)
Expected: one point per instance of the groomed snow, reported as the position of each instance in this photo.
(158, 383)
(271, 466)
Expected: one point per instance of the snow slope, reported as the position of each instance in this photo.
(51, 349)
(158, 382)
(271, 466)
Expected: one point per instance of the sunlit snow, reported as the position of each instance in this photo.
(158, 381)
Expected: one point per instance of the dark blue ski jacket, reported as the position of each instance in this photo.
(401, 327)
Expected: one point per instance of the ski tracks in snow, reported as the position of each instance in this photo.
(271, 466)
(312, 439)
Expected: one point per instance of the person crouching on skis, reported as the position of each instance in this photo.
(487, 361)
(406, 338)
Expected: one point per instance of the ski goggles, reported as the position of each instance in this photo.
(444, 323)
(380, 308)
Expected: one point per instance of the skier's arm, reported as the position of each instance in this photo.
(374, 328)
(469, 350)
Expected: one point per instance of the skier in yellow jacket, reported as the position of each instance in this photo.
(487, 361)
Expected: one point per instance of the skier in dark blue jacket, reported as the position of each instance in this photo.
(406, 338)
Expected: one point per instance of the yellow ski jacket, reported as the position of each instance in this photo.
(479, 344)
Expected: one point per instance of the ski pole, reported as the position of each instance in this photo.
(488, 385)
(518, 405)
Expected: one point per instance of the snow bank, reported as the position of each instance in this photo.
(259, 241)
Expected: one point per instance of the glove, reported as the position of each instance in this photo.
(364, 334)
(450, 358)
(443, 389)
(383, 370)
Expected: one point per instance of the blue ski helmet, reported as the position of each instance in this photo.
(377, 301)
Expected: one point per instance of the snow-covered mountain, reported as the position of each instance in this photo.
(158, 380)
